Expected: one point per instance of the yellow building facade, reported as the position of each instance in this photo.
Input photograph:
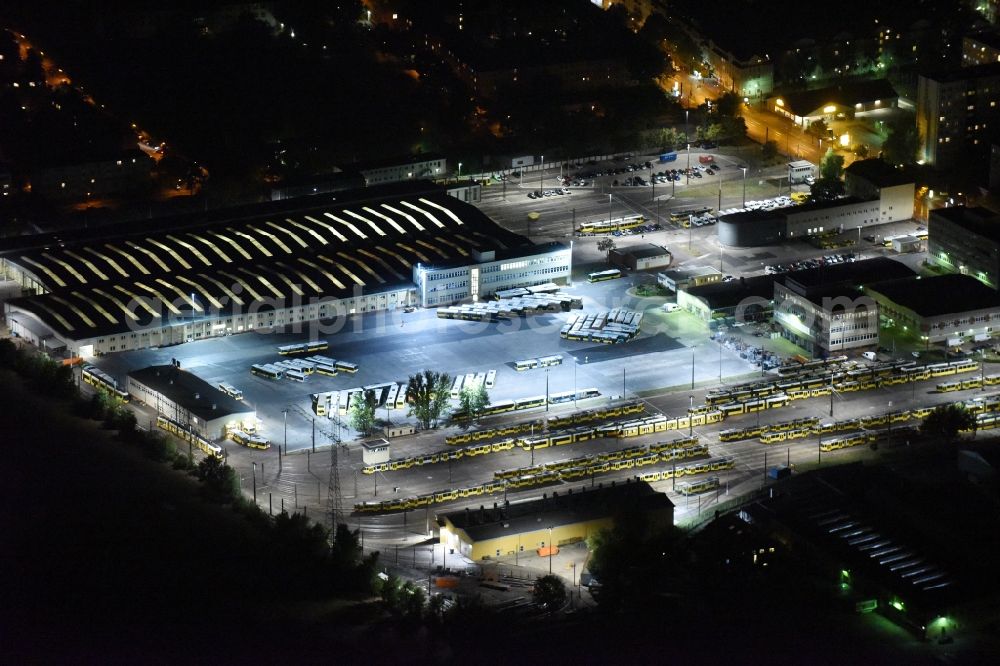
(553, 520)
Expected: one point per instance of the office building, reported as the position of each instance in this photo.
(958, 113)
(966, 240)
(824, 310)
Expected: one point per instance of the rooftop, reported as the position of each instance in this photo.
(805, 102)
(691, 271)
(555, 509)
(990, 39)
(938, 295)
(839, 276)
(835, 509)
(878, 172)
(190, 392)
(643, 251)
(399, 160)
(964, 73)
(977, 220)
(730, 294)
(193, 268)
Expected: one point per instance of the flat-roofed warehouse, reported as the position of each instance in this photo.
(555, 519)
(188, 400)
(163, 282)
(939, 308)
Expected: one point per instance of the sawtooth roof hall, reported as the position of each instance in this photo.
(160, 282)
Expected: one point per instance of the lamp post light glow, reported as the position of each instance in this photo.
(744, 186)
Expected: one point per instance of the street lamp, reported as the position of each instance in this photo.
(284, 416)
(744, 186)
(550, 551)
(609, 208)
(541, 176)
(459, 172)
(691, 420)
(687, 175)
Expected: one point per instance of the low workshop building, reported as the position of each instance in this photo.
(641, 257)
(555, 519)
(692, 276)
(943, 308)
(745, 299)
(189, 400)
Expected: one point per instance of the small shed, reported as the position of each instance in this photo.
(375, 451)
(906, 244)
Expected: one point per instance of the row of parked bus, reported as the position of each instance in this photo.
(549, 477)
(300, 369)
(104, 382)
(575, 418)
(472, 381)
(389, 395)
(188, 435)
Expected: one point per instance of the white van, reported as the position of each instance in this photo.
(671, 307)
(870, 355)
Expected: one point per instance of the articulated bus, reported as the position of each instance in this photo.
(601, 276)
(526, 364)
(546, 361)
(267, 370)
(231, 391)
(303, 347)
(344, 366)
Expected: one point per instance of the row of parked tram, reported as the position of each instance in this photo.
(857, 379)
(546, 477)
(618, 429)
(585, 416)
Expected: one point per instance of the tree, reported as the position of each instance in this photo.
(218, 478)
(769, 150)
(946, 421)
(826, 189)
(733, 128)
(363, 413)
(606, 244)
(428, 394)
(472, 401)
(831, 167)
(550, 592)
(818, 128)
(728, 104)
(902, 141)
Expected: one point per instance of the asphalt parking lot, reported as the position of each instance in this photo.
(389, 347)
